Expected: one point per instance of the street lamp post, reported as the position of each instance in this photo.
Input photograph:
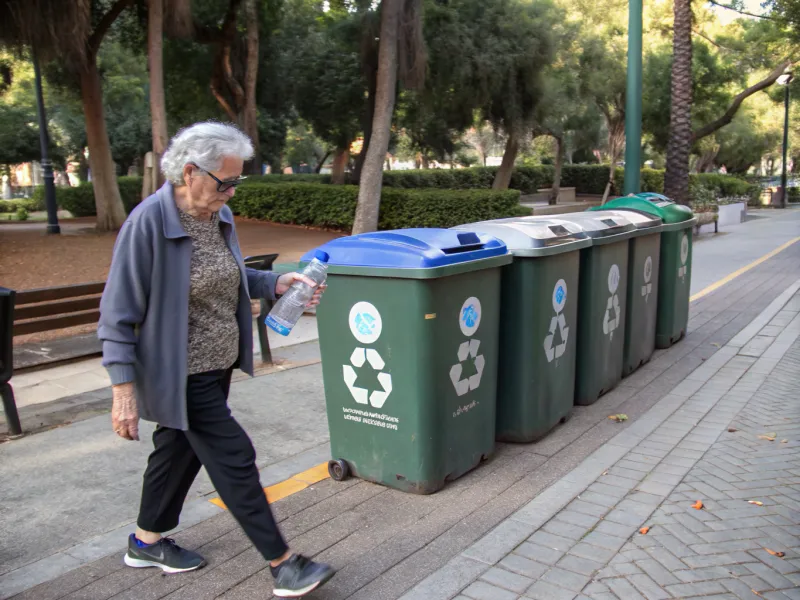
(785, 80)
(47, 166)
(633, 101)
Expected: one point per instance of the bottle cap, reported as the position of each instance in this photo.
(321, 256)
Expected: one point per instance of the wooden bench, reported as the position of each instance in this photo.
(49, 309)
(7, 298)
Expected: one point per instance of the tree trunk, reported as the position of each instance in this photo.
(250, 113)
(676, 178)
(426, 164)
(158, 107)
(321, 162)
(369, 192)
(369, 117)
(340, 160)
(557, 175)
(503, 178)
(110, 211)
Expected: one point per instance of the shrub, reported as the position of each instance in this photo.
(333, 207)
(79, 200)
(793, 194)
(22, 214)
(726, 186)
(14, 206)
(293, 178)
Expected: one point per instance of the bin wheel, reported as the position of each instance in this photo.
(339, 470)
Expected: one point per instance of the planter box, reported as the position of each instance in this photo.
(732, 214)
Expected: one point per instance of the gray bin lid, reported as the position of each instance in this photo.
(603, 229)
(645, 223)
(527, 238)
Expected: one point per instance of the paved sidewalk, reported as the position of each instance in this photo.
(387, 544)
(704, 441)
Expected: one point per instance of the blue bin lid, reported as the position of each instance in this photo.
(411, 249)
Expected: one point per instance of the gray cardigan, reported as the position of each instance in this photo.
(144, 312)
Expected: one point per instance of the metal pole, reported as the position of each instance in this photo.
(633, 101)
(47, 167)
(784, 190)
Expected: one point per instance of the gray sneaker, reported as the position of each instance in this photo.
(164, 554)
(299, 576)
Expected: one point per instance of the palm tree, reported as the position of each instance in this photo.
(676, 178)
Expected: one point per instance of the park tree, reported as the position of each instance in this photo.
(330, 87)
(71, 33)
(401, 55)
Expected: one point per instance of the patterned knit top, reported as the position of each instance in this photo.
(213, 297)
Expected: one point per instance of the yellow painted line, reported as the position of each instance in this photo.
(294, 484)
(715, 286)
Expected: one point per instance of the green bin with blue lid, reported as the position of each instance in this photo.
(641, 312)
(675, 270)
(409, 330)
(539, 298)
(602, 301)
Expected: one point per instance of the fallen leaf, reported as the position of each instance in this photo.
(644, 530)
(605, 472)
(770, 437)
(716, 345)
(778, 554)
(619, 418)
(698, 505)
(784, 441)
(732, 430)
(756, 502)
(756, 593)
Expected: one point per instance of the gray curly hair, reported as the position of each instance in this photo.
(204, 144)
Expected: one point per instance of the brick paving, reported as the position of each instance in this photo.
(516, 528)
(715, 446)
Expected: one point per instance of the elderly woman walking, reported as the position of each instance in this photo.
(175, 321)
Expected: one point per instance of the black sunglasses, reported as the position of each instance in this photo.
(222, 186)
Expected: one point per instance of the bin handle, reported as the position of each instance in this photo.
(468, 241)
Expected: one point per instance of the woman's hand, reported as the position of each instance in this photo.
(285, 282)
(124, 412)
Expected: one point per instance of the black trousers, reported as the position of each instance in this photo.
(219, 443)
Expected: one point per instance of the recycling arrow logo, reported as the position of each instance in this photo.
(613, 314)
(468, 349)
(684, 256)
(647, 288)
(359, 358)
(558, 322)
(469, 321)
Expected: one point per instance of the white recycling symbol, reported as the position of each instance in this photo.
(684, 256)
(366, 325)
(613, 314)
(647, 288)
(557, 322)
(469, 319)
(360, 356)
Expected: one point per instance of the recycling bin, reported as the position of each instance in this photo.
(602, 303)
(409, 342)
(644, 250)
(675, 270)
(539, 299)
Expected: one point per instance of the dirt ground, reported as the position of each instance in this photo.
(30, 259)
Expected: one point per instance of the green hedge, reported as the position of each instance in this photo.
(333, 207)
(294, 178)
(14, 206)
(79, 200)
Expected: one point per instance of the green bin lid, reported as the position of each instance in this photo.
(654, 204)
(644, 223)
(602, 229)
(525, 238)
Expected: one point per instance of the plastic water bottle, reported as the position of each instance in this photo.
(290, 307)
